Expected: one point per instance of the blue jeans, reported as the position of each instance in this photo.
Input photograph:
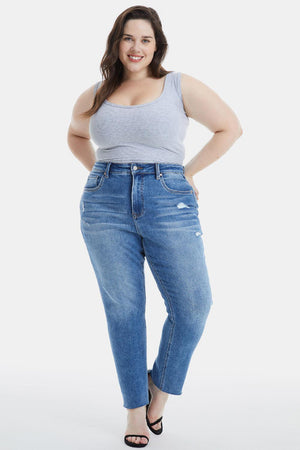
(129, 211)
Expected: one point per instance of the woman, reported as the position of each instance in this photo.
(140, 201)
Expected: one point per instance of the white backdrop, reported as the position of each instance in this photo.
(59, 386)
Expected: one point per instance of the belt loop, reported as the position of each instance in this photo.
(106, 171)
(157, 171)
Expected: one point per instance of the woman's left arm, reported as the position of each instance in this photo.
(204, 105)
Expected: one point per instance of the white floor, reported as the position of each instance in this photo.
(71, 411)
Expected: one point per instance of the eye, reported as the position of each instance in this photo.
(147, 40)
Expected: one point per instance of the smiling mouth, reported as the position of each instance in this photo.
(135, 58)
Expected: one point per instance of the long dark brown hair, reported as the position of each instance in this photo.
(111, 67)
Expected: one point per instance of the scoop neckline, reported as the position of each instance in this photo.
(107, 102)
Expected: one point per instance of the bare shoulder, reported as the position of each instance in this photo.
(79, 126)
(204, 105)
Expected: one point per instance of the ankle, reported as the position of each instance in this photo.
(158, 394)
(162, 394)
(136, 412)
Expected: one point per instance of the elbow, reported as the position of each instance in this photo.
(236, 129)
(236, 132)
(233, 127)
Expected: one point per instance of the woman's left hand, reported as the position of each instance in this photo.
(191, 181)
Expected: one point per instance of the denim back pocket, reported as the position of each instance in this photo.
(94, 181)
(175, 182)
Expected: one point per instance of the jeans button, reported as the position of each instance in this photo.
(134, 167)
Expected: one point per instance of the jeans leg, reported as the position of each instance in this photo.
(118, 261)
(184, 285)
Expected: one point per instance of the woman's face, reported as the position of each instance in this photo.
(137, 40)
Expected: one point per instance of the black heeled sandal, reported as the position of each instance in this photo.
(159, 431)
(132, 444)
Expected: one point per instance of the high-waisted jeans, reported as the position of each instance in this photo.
(129, 211)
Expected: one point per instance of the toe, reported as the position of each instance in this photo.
(137, 439)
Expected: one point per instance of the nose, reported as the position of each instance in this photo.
(135, 50)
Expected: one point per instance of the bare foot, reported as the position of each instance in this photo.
(157, 404)
(136, 424)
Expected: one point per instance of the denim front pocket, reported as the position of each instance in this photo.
(94, 181)
(175, 182)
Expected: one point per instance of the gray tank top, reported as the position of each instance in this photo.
(147, 133)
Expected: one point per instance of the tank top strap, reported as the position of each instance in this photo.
(174, 84)
(96, 86)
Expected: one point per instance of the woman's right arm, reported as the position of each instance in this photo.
(78, 131)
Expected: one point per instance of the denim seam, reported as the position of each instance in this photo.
(142, 197)
(175, 191)
(173, 318)
(99, 185)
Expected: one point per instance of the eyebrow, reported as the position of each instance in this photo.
(126, 34)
